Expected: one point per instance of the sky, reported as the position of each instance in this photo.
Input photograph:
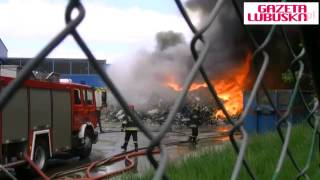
(113, 29)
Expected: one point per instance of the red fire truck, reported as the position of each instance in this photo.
(45, 118)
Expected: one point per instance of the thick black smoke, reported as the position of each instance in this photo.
(169, 39)
(229, 44)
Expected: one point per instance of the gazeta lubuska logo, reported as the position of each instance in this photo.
(298, 13)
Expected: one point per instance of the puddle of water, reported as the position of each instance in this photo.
(108, 169)
(141, 165)
(175, 153)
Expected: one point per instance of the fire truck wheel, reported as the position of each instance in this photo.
(87, 146)
(40, 155)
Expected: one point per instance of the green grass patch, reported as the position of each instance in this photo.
(262, 154)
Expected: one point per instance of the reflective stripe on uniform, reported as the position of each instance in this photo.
(131, 128)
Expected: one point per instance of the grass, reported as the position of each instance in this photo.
(262, 154)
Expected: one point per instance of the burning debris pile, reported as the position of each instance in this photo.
(230, 91)
(157, 115)
(229, 88)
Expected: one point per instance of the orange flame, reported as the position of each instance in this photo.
(194, 86)
(230, 89)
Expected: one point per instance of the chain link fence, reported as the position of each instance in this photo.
(284, 126)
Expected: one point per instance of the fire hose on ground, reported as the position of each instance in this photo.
(116, 158)
(89, 167)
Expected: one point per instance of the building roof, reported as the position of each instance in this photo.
(3, 51)
(2, 44)
(55, 59)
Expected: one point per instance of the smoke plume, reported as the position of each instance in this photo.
(142, 79)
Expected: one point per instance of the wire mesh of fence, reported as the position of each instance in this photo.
(284, 125)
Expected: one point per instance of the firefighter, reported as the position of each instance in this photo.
(130, 129)
(194, 123)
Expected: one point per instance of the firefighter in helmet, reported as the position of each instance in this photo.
(194, 123)
(130, 129)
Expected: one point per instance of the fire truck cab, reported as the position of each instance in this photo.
(45, 118)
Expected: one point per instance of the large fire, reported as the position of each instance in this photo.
(229, 88)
